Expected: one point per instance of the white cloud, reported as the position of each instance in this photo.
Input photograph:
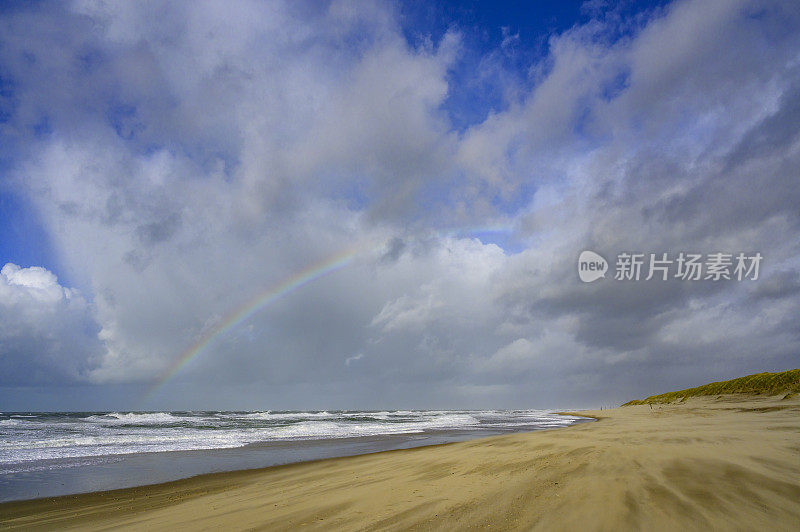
(34, 282)
(515, 355)
(354, 358)
(200, 155)
(47, 331)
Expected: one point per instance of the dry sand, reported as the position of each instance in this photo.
(728, 463)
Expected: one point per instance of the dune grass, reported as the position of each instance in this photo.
(760, 383)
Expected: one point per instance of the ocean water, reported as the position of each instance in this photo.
(48, 454)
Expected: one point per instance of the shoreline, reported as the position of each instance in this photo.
(200, 476)
(705, 463)
(147, 497)
(79, 475)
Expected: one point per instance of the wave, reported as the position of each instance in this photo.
(132, 418)
(73, 436)
(269, 416)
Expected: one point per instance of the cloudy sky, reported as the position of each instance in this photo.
(164, 164)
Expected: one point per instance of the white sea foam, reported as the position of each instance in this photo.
(270, 416)
(132, 418)
(70, 436)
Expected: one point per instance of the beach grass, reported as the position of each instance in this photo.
(787, 382)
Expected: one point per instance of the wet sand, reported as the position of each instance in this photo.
(731, 462)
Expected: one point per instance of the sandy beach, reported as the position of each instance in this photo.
(728, 462)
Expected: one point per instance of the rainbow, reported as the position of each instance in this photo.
(272, 294)
(253, 306)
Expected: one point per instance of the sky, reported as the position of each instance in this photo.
(368, 205)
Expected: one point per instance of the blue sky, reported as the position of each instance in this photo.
(162, 162)
(524, 28)
(515, 34)
(24, 241)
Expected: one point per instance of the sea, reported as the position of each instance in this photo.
(51, 454)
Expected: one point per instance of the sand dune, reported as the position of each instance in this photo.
(730, 463)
